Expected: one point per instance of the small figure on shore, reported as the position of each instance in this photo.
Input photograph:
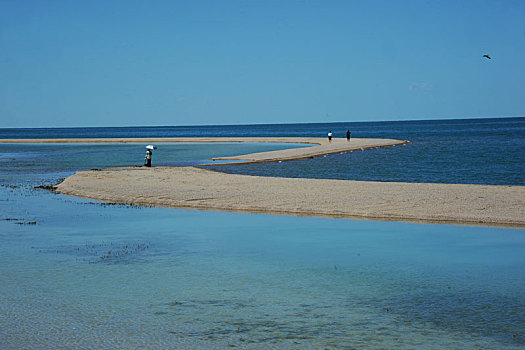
(149, 152)
(147, 159)
(348, 135)
(330, 136)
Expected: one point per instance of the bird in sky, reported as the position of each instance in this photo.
(486, 56)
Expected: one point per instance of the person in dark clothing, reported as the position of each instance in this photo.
(330, 136)
(348, 135)
(147, 159)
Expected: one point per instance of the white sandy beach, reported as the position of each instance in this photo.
(188, 187)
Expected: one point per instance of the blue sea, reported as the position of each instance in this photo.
(77, 273)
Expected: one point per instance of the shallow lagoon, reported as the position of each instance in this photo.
(94, 275)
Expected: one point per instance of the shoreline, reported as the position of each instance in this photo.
(197, 188)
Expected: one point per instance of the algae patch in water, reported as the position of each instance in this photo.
(113, 253)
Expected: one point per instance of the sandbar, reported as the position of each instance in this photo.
(197, 188)
(319, 146)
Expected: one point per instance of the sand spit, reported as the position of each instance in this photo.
(320, 146)
(188, 187)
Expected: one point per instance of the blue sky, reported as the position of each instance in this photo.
(130, 63)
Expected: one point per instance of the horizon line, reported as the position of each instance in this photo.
(257, 124)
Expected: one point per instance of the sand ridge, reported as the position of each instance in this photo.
(189, 187)
(319, 146)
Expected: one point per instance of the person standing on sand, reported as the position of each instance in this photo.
(330, 136)
(348, 135)
(147, 159)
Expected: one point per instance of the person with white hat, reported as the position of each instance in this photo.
(147, 159)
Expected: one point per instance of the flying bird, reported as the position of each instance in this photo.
(486, 56)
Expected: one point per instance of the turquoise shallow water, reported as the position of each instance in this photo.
(81, 274)
(103, 276)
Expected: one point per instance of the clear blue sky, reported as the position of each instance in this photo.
(126, 63)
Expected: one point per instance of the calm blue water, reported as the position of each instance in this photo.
(81, 274)
(482, 151)
(20, 163)
(476, 151)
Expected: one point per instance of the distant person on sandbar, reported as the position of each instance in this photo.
(348, 135)
(330, 136)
